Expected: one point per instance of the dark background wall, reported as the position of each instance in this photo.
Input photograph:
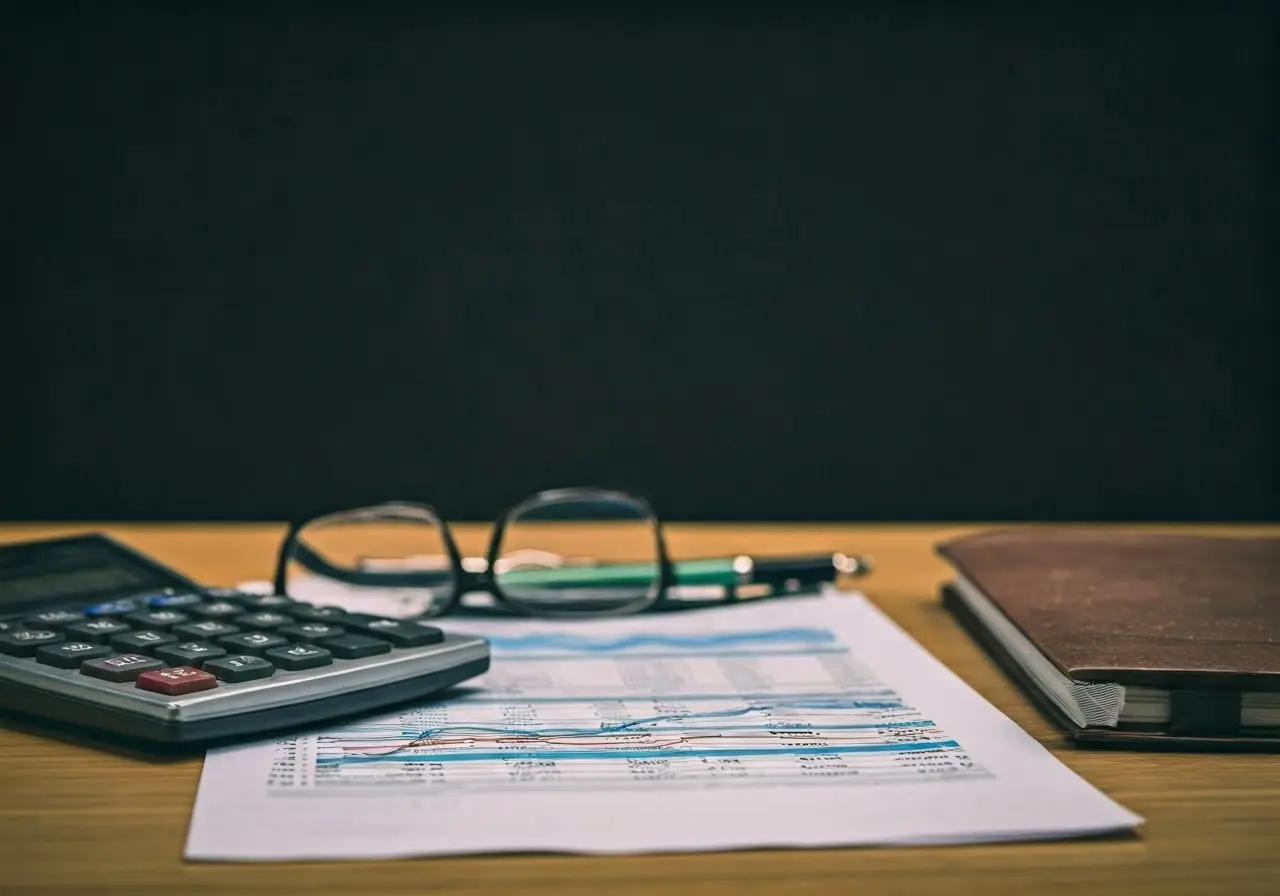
(865, 261)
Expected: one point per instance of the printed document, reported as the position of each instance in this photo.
(793, 722)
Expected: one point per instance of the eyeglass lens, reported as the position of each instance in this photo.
(393, 554)
(579, 554)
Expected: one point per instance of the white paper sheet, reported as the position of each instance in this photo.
(808, 721)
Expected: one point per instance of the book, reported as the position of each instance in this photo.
(1124, 638)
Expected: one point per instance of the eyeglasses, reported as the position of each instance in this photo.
(574, 552)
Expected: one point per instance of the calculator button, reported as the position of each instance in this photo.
(189, 653)
(264, 619)
(353, 647)
(218, 609)
(8, 626)
(240, 668)
(312, 631)
(156, 619)
(235, 595)
(120, 668)
(398, 631)
(255, 643)
(172, 601)
(308, 613)
(111, 608)
(26, 643)
(255, 602)
(53, 619)
(71, 654)
(203, 631)
(362, 619)
(299, 656)
(97, 630)
(142, 642)
(176, 681)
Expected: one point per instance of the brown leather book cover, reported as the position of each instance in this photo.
(1097, 737)
(1192, 615)
(1156, 610)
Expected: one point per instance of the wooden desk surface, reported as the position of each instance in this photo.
(78, 820)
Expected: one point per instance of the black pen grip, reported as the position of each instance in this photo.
(788, 573)
(779, 571)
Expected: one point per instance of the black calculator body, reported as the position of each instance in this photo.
(97, 635)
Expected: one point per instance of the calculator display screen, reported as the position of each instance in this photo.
(73, 570)
(70, 583)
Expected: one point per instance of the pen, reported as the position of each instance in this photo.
(737, 575)
(779, 573)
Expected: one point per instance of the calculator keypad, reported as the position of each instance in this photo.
(173, 644)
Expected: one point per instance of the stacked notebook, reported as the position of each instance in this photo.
(1142, 639)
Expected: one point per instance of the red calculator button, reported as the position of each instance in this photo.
(175, 681)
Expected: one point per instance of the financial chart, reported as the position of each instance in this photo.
(805, 721)
(566, 710)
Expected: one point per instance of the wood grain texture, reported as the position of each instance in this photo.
(78, 819)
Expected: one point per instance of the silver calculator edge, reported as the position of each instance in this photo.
(284, 688)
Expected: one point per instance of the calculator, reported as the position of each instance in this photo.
(98, 635)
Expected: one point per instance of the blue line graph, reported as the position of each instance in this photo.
(631, 724)
(591, 732)
(870, 691)
(636, 655)
(654, 752)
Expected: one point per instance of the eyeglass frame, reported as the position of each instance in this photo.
(466, 581)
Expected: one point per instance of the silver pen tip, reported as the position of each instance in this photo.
(853, 566)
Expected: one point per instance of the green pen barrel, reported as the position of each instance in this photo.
(639, 576)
